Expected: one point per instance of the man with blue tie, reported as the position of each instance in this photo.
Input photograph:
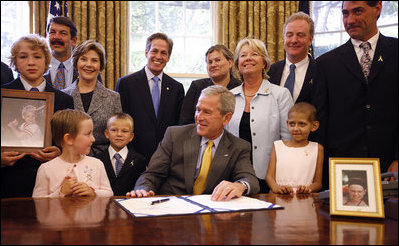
(151, 97)
(357, 91)
(296, 71)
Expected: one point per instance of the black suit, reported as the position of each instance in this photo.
(19, 180)
(132, 168)
(6, 74)
(137, 102)
(359, 118)
(190, 100)
(276, 72)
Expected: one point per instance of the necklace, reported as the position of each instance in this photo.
(249, 95)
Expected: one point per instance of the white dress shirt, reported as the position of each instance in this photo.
(123, 153)
(27, 86)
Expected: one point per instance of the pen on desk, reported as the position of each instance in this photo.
(160, 201)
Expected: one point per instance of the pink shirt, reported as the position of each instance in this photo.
(89, 170)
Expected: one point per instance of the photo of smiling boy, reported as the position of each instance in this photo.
(122, 176)
(296, 165)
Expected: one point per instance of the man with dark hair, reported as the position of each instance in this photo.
(201, 158)
(62, 38)
(151, 97)
(357, 91)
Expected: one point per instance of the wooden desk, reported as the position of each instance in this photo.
(101, 221)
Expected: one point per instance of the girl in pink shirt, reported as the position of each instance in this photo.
(73, 173)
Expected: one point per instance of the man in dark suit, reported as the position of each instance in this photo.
(298, 36)
(6, 74)
(201, 158)
(62, 37)
(357, 90)
(151, 88)
(123, 175)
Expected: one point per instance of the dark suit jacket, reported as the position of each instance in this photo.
(171, 170)
(19, 180)
(137, 102)
(359, 118)
(132, 168)
(75, 76)
(276, 72)
(190, 100)
(6, 74)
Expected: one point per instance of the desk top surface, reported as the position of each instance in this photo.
(304, 220)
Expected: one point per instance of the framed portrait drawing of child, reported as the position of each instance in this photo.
(25, 120)
(355, 187)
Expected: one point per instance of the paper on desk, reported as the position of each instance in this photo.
(141, 207)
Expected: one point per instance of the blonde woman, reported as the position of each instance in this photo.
(261, 107)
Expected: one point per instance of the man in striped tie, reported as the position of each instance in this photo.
(357, 94)
(201, 158)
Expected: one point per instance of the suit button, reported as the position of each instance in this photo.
(254, 134)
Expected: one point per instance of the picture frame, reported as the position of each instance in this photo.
(25, 120)
(355, 187)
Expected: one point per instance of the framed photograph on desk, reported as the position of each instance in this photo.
(25, 120)
(355, 187)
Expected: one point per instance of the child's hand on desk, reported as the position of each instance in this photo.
(82, 189)
(66, 185)
(284, 189)
(302, 189)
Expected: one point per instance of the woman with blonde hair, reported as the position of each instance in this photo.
(261, 107)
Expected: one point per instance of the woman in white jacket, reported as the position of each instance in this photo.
(261, 108)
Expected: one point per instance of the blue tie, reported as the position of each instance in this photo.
(118, 163)
(34, 89)
(289, 83)
(155, 95)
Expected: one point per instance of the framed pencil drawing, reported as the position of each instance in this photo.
(25, 120)
(355, 187)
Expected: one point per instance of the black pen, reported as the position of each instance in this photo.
(160, 201)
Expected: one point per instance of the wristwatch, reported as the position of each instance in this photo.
(246, 187)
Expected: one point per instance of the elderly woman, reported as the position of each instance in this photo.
(261, 109)
(219, 60)
(90, 95)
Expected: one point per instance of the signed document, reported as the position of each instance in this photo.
(178, 205)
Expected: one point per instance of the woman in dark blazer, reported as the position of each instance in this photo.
(90, 95)
(219, 60)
